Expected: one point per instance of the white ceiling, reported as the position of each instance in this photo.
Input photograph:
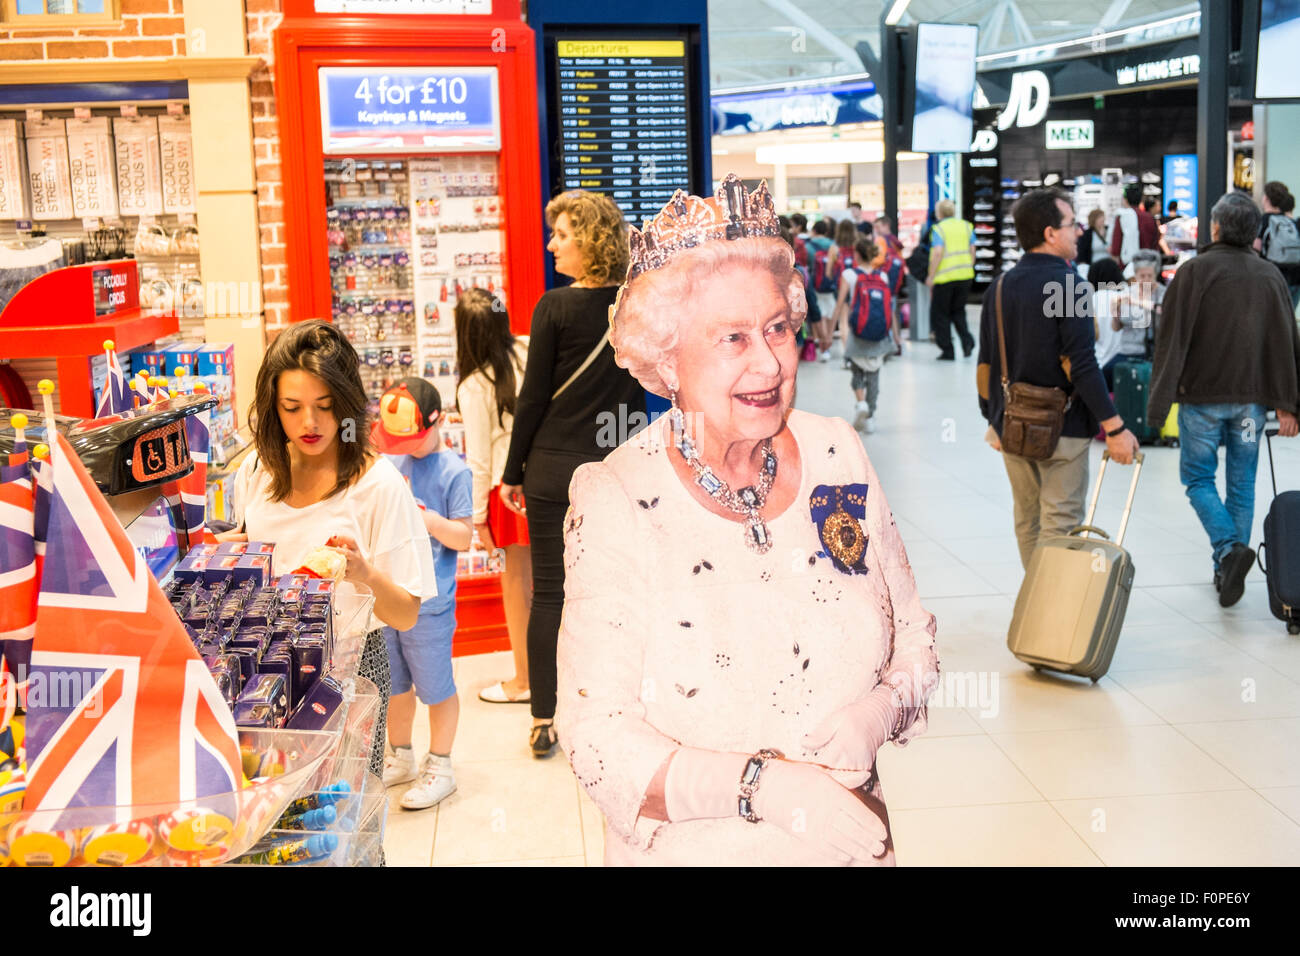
(756, 42)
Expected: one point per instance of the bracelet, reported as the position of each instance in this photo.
(1117, 431)
(896, 696)
(749, 782)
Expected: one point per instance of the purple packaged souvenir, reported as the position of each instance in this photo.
(279, 659)
(212, 591)
(191, 568)
(320, 586)
(257, 638)
(261, 609)
(318, 706)
(253, 567)
(259, 547)
(248, 658)
(263, 703)
(224, 686)
(219, 567)
(232, 547)
(321, 633)
(310, 649)
(216, 636)
(291, 581)
(198, 616)
(228, 664)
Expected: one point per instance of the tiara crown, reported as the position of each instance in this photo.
(688, 221)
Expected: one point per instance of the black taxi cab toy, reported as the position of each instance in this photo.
(124, 452)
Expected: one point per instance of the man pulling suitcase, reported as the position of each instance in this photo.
(1036, 338)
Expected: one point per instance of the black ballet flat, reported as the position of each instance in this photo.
(542, 740)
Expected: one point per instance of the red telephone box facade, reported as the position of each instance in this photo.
(383, 240)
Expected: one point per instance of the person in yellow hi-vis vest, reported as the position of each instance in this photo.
(952, 250)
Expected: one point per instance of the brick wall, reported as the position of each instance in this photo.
(149, 28)
(263, 17)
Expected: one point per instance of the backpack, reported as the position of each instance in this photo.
(1282, 241)
(872, 306)
(918, 262)
(814, 310)
(895, 271)
(828, 266)
(800, 252)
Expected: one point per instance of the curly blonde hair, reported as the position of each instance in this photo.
(645, 319)
(598, 229)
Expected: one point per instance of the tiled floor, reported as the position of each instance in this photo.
(1187, 752)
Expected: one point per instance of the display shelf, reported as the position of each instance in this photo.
(67, 314)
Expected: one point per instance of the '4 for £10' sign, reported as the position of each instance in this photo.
(416, 110)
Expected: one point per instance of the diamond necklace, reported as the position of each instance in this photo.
(748, 501)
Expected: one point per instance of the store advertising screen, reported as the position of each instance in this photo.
(944, 87)
(1276, 75)
(369, 111)
(1180, 183)
(154, 536)
(624, 119)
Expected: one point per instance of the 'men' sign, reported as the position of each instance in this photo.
(1069, 134)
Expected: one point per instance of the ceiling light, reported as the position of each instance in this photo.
(826, 153)
(896, 12)
(1091, 38)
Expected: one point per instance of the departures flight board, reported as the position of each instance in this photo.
(624, 120)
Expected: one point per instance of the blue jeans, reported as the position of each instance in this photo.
(1201, 429)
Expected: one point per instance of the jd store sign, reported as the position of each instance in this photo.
(1162, 64)
(1069, 134)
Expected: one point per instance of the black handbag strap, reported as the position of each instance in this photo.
(1002, 340)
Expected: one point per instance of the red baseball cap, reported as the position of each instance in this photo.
(406, 413)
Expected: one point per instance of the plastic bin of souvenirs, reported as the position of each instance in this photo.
(338, 820)
(280, 766)
(336, 826)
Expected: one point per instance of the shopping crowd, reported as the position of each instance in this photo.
(696, 685)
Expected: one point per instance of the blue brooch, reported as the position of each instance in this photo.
(837, 511)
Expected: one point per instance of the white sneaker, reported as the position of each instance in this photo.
(862, 415)
(826, 356)
(871, 425)
(399, 766)
(436, 783)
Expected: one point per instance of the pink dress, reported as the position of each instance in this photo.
(676, 634)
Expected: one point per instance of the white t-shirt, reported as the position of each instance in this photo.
(487, 440)
(377, 511)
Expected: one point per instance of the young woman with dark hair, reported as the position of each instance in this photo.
(314, 480)
(491, 361)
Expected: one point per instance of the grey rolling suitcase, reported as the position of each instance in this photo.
(1071, 604)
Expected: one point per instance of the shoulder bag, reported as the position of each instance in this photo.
(583, 367)
(1033, 415)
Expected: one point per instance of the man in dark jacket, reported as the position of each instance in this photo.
(1227, 350)
(1047, 319)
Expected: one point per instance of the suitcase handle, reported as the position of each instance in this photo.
(1269, 432)
(1091, 529)
(1138, 459)
(1259, 556)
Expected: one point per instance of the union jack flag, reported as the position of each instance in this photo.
(19, 575)
(140, 391)
(121, 709)
(194, 486)
(116, 396)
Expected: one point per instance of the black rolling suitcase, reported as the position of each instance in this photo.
(1279, 553)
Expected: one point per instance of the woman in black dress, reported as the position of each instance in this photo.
(575, 406)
